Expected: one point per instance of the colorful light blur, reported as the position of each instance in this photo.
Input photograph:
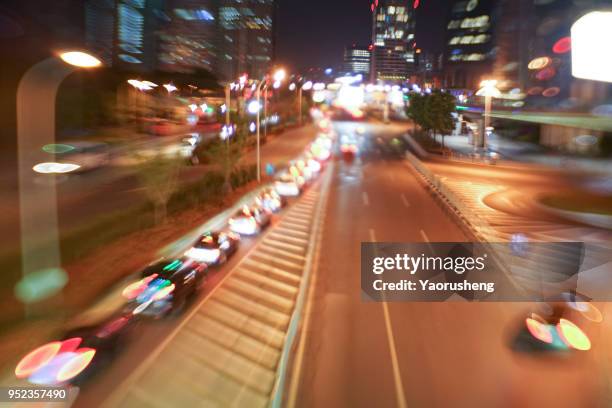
(564, 45)
(573, 336)
(539, 330)
(550, 92)
(546, 73)
(539, 63)
(36, 359)
(75, 365)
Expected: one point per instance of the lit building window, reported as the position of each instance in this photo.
(475, 22)
(453, 24)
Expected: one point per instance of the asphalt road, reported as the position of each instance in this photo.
(402, 354)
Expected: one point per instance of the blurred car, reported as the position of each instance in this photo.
(166, 286)
(80, 353)
(214, 248)
(249, 220)
(487, 155)
(288, 186)
(300, 169)
(86, 155)
(270, 200)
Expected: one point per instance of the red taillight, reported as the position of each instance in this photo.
(37, 359)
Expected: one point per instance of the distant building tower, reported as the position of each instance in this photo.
(246, 37)
(394, 43)
(137, 36)
(100, 29)
(188, 39)
(469, 52)
(357, 60)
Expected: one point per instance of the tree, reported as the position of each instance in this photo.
(416, 110)
(159, 175)
(227, 155)
(438, 112)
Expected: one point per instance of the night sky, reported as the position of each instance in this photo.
(313, 33)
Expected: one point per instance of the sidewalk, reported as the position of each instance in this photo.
(529, 153)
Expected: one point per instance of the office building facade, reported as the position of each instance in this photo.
(357, 60)
(245, 38)
(393, 38)
(469, 51)
(189, 36)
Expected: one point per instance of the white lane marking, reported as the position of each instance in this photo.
(405, 200)
(372, 235)
(397, 377)
(426, 239)
(366, 199)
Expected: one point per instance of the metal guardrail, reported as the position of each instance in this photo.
(479, 226)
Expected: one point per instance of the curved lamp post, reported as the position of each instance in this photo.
(489, 91)
(36, 97)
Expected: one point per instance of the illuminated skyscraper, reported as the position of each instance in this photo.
(138, 22)
(394, 26)
(246, 37)
(357, 60)
(469, 53)
(100, 29)
(188, 39)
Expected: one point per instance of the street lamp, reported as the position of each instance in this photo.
(489, 91)
(279, 75)
(36, 97)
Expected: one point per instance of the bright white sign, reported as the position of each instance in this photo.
(591, 52)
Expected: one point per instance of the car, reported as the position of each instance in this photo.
(270, 200)
(299, 168)
(486, 155)
(166, 287)
(249, 220)
(79, 354)
(287, 185)
(214, 248)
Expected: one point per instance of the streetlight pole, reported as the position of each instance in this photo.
(36, 97)
(487, 119)
(300, 105)
(266, 112)
(489, 91)
(227, 103)
(278, 76)
(258, 96)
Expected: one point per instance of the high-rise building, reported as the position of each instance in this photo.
(357, 60)
(246, 37)
(469, 52)
(138, 23)
(188, 39)
(100, 28)
(393, 33)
